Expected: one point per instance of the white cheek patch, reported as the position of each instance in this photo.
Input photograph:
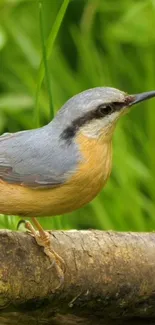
(96, 127)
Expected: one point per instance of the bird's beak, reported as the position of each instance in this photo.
(135, 99)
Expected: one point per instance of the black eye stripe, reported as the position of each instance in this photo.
(100, 111)
(106, 109)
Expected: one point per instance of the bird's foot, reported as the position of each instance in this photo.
(43, 239)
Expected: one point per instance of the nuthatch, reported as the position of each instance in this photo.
(62, 166)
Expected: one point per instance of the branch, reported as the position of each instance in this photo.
(109, 275)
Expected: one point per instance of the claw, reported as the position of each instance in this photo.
(43, 239)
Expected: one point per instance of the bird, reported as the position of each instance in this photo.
(62, 166)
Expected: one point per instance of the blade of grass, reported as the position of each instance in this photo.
(45, 60)
(49, 47)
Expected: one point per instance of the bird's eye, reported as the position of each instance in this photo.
(105, 109)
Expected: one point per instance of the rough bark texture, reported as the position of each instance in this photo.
(109, 279)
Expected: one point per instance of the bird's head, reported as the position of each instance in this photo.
(94, 112)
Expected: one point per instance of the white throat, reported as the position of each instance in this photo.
(96, 127)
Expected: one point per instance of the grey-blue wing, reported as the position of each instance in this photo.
(8, 175)
(35, 158)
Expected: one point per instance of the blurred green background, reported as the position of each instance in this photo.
(100, 43)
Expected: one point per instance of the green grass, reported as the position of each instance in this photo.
(87, 44)
(47, 50)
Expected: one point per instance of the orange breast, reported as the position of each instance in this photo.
(91, 175)
(94, 172)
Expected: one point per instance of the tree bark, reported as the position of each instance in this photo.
(109, 279)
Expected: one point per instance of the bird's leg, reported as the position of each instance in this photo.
(43, 239)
